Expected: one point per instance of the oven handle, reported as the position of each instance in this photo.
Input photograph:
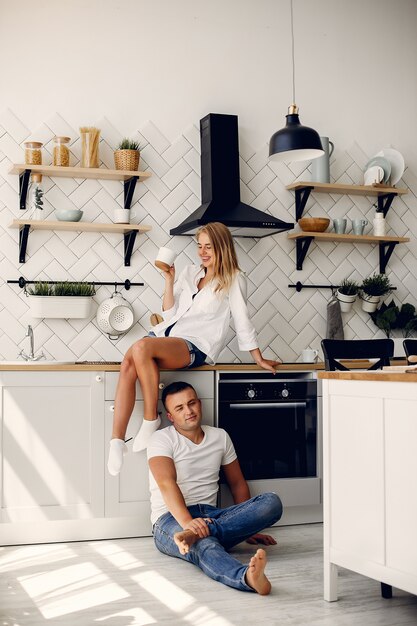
(269, 405)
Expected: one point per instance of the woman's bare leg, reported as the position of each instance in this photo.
(125, 396)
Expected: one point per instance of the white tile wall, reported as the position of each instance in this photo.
(286, 321)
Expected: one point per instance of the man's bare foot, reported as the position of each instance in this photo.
(255, 576)
(185, 539)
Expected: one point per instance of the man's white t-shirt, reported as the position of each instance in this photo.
(197, 465)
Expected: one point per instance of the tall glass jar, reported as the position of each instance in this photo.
(33, 153)
(36, 198)
(61, 155)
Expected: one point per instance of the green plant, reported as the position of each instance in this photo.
(377, 285)
(128, 144)
(62, 289)
(348, 287)
(38, 198)
(390, 317)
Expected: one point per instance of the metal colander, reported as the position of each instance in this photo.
(115, 316)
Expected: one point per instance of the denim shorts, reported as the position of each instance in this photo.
(197, 357)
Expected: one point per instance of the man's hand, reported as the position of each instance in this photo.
(198, 526)
(265, 540)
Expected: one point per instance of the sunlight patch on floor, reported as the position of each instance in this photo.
(203, 616)
(117, 556)
(70, 589)
(164, 591)
(135, 617)
(31, 555)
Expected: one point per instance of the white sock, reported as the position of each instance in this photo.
(148, 427)
(118, 449)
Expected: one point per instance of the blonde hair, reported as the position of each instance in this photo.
(225, 259)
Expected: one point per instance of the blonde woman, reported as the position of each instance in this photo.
(196, 313)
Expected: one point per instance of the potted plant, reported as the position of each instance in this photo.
(372, 289)
(347, 294)
(127, 154)
(391, 317)
(61, 300)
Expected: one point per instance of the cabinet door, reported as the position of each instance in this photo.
(128, 493)
(51, 444)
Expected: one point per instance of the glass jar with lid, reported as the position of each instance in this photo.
(33, 153)
(36, 197)
(61, 155)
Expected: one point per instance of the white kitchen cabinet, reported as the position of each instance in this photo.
(370, 472)
(52, 455)
(127, 495)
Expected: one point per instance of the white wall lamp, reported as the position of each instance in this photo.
(294, 142)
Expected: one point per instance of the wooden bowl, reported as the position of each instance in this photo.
(314, 224)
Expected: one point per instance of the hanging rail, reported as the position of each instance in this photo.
(22, 282)
(299, 286)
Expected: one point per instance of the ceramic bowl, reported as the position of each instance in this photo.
(69, 215)
(314, 224)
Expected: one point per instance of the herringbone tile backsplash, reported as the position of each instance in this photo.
(286, 321)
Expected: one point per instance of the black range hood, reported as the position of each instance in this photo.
(220, 185)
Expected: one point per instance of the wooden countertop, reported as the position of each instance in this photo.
(377, 375)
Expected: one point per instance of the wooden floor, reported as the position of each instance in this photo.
(127, 582)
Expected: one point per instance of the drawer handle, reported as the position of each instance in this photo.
(99, 379)
(161, 385)
(112, 408)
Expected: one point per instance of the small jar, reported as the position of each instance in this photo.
(379, 225)
(61, 155)
(33, 153)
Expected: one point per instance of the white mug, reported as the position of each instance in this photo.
(122, 216)
(165, 259)
(309, 355)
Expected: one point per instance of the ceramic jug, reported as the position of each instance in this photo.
(320, 168)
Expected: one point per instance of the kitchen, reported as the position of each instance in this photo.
(247, 72)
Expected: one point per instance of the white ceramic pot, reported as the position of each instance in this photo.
(64, 307)
(370, 303)
(398, 346)
(346, 301)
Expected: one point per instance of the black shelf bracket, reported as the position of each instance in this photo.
(384, 202)
(23, 242)
(301, 197)
(386, 248)
(303, 244)
(129, 238)
(129, 189)
(23, 189)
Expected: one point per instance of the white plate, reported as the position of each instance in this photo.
(374, 174)
(397, 163)
(381, 162)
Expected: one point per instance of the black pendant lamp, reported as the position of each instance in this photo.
(295, 142)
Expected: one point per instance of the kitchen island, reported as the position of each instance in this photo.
(370, 476)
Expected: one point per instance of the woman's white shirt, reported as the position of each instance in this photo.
(203, 317)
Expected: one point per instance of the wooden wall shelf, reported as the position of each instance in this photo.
(129, 230)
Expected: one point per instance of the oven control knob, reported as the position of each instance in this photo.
(251, 393)
(285, 393)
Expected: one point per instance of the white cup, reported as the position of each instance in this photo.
(165, 259)
(122, 216)
(309, 355)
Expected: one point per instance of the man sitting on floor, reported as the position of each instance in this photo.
(184, 461)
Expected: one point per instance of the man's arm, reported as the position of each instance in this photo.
(164, 472)
(240, 493)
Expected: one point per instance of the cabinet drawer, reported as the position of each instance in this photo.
(202, 381)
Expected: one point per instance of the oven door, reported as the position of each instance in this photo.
(273, 439)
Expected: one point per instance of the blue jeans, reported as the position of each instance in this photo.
(229, 527)
(197, 357)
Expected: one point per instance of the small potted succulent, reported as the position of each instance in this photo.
(373, 288)
(347, 293)
(127, 155)
(61, 300)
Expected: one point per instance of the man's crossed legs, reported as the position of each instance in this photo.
(228, 527)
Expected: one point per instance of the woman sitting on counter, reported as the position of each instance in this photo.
(196, 321)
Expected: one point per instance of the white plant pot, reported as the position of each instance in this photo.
(346, 301)
(370, 303)
(64, 307)
(398, 346)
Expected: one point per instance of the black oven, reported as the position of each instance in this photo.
(272, 421)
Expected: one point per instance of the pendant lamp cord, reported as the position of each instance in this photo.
(292, 52)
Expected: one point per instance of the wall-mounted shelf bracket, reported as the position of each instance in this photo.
(23, 242)
(301, 197)
(129, 238)
(385, 251)
(302, 246)
(384, 202)
(129, 189)
(23, 188)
